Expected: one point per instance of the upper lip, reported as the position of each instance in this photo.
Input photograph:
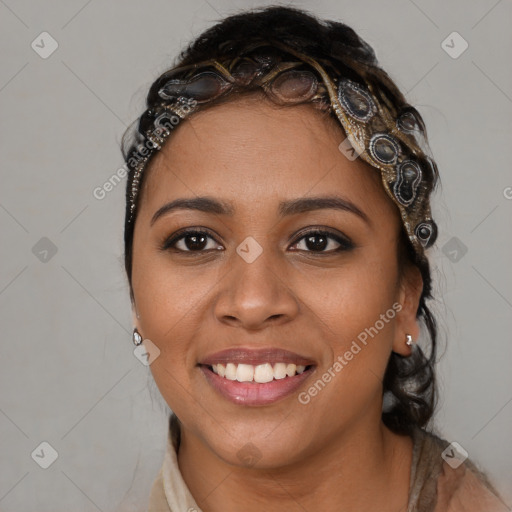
(256, 357)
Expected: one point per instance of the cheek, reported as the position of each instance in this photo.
(166, 293)
(355, 307)
(167, 301)
(352, 297)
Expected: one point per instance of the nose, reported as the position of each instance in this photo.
(256, 294)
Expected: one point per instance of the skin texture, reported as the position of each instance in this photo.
(335, 449)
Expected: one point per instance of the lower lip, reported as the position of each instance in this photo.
(253, 393)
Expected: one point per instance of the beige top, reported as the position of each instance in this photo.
(435, 485)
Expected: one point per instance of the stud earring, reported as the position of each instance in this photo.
(137, 338)
(409, 341)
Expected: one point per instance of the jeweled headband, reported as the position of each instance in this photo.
(391, 141)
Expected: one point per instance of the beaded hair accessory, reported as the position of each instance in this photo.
(392, 142)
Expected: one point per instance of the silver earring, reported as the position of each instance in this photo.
(409, 342)
(137, 338)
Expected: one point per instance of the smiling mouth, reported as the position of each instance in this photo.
(260, 374)
(256, 376)
(256, 385)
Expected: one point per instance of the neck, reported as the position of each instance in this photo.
(365, 468)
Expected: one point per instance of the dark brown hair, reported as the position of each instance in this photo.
(409, 382)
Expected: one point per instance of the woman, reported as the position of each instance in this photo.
(276, 236)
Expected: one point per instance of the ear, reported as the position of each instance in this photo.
(411, 287)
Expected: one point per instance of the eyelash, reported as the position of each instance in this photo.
(345, 243)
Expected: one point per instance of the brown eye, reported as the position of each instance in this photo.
(319, 241)
(191, 241)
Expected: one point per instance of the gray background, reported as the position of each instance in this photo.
(68, 375)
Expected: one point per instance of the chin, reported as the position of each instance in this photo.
(259, 445)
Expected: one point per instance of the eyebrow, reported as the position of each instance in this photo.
(286, 208)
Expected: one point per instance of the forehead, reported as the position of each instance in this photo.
(250, 150)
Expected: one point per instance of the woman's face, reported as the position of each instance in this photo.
(259, 293)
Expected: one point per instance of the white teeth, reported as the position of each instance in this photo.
(244, 373)
(279, 371)
(230, 371)
(263, 373)
(290, 370)
(260, 373)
